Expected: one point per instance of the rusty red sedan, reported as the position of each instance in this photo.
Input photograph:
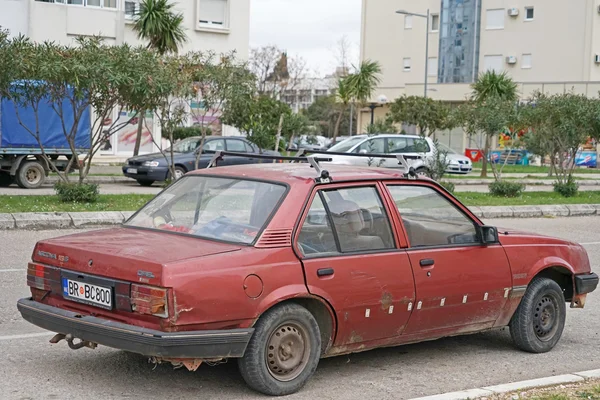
(278, 265)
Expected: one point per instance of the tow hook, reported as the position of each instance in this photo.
(72, 345)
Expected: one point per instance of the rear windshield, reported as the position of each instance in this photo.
(232, 210)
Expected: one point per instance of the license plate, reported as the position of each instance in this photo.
(86, 293)
(131, 171)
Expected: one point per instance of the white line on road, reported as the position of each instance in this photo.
(26, 336)
(589, 243)
(13, 270)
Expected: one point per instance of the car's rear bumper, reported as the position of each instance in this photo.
(192, 344)
(586, 283)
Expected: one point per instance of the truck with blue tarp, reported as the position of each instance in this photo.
(21, 159)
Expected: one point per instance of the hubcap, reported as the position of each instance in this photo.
(33, 176)
(287, 353)
(178, 174)
(545, 317)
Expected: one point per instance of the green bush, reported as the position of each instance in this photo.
(449, 186)
(69, 192)
(189, 131)
(567, 189)
(506, 189)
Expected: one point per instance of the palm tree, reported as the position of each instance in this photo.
(161, 26)
(357, 87)
(492, 85)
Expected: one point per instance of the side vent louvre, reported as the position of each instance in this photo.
(275, 238)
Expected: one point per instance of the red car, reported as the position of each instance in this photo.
(278, 265)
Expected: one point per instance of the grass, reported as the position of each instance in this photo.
(106, 202)
(491, 177)
(527, 199)
(527, 169)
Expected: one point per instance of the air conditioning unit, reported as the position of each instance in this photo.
(513, 12)
(597, 59)
(511, 60)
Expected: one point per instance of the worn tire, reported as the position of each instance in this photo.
(538, 323)
(5, 179)
(145, 182)
(254, 365)
(30, 175)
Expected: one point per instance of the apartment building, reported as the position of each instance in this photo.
(218, 25)
(307, 91)
(547, 45)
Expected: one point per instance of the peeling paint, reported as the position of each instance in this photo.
(355, 338)
(386, 301)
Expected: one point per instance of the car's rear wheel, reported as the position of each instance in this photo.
(144, 182)
(538, 323)
(284, 351)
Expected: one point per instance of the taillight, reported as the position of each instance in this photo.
(43, 277)
(149, 300)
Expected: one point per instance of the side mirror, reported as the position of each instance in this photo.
(489, 235)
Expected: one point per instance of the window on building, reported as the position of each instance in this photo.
(435, 23)
(75, 2)
(432, 66)
(213, 13)
(526, 61)
(132, 7)
(493, 63)
(408, 22)
(495, 19)
(406, 64)
(529, 13)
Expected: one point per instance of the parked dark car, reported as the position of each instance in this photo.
(151, 168)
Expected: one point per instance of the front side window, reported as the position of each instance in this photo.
(346, 145)
(372, 146)
(227, 209)
(214, 145)
(430, 219)
(185, 146)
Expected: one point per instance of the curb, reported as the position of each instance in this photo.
(70, 220)
(527, 182)
(515, 386)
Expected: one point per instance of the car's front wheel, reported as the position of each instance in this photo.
(284, 351)
(538, 323)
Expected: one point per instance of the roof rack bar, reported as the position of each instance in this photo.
(218, 155)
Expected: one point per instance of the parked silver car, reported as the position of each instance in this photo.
(418, 151)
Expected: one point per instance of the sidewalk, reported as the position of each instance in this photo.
(69, 220)
(488, 391)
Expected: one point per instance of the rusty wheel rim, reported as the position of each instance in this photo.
(545, 318)
(33, 176)
(287, 352)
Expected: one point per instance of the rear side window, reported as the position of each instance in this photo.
(236, 145)
(430, 219)
(346, 221)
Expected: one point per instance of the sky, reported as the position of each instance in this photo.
(307, 28)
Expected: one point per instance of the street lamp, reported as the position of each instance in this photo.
(381, 101)
(426, 16)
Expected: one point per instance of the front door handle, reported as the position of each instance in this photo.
(324, 272)
(428, 262)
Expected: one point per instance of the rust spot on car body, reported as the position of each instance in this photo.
(578, 301)
(386, 301)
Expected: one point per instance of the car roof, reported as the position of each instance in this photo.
(387, 135)
(301, 172)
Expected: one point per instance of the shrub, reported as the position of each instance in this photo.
(189, 131)
(506, 189)
(568, 188)
(69, 192)
(449, 186)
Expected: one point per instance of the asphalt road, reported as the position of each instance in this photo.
(34, 369)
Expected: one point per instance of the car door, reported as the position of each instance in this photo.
(351, 259)
(213, 145)
(460, 283)
(238, 146)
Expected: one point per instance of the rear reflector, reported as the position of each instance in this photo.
(149, 300)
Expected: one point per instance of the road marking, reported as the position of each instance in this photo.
(589, 243)
(13, 270)
(25, 336)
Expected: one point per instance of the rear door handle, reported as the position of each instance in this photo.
(428, 262)
(325, 272)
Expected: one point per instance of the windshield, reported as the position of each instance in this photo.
(346, 145)
(186, 146)
(232, 210)
(443, 148)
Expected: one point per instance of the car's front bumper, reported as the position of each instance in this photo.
(191, 344)
(146, 173)
(586, 283)
(459, 169)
